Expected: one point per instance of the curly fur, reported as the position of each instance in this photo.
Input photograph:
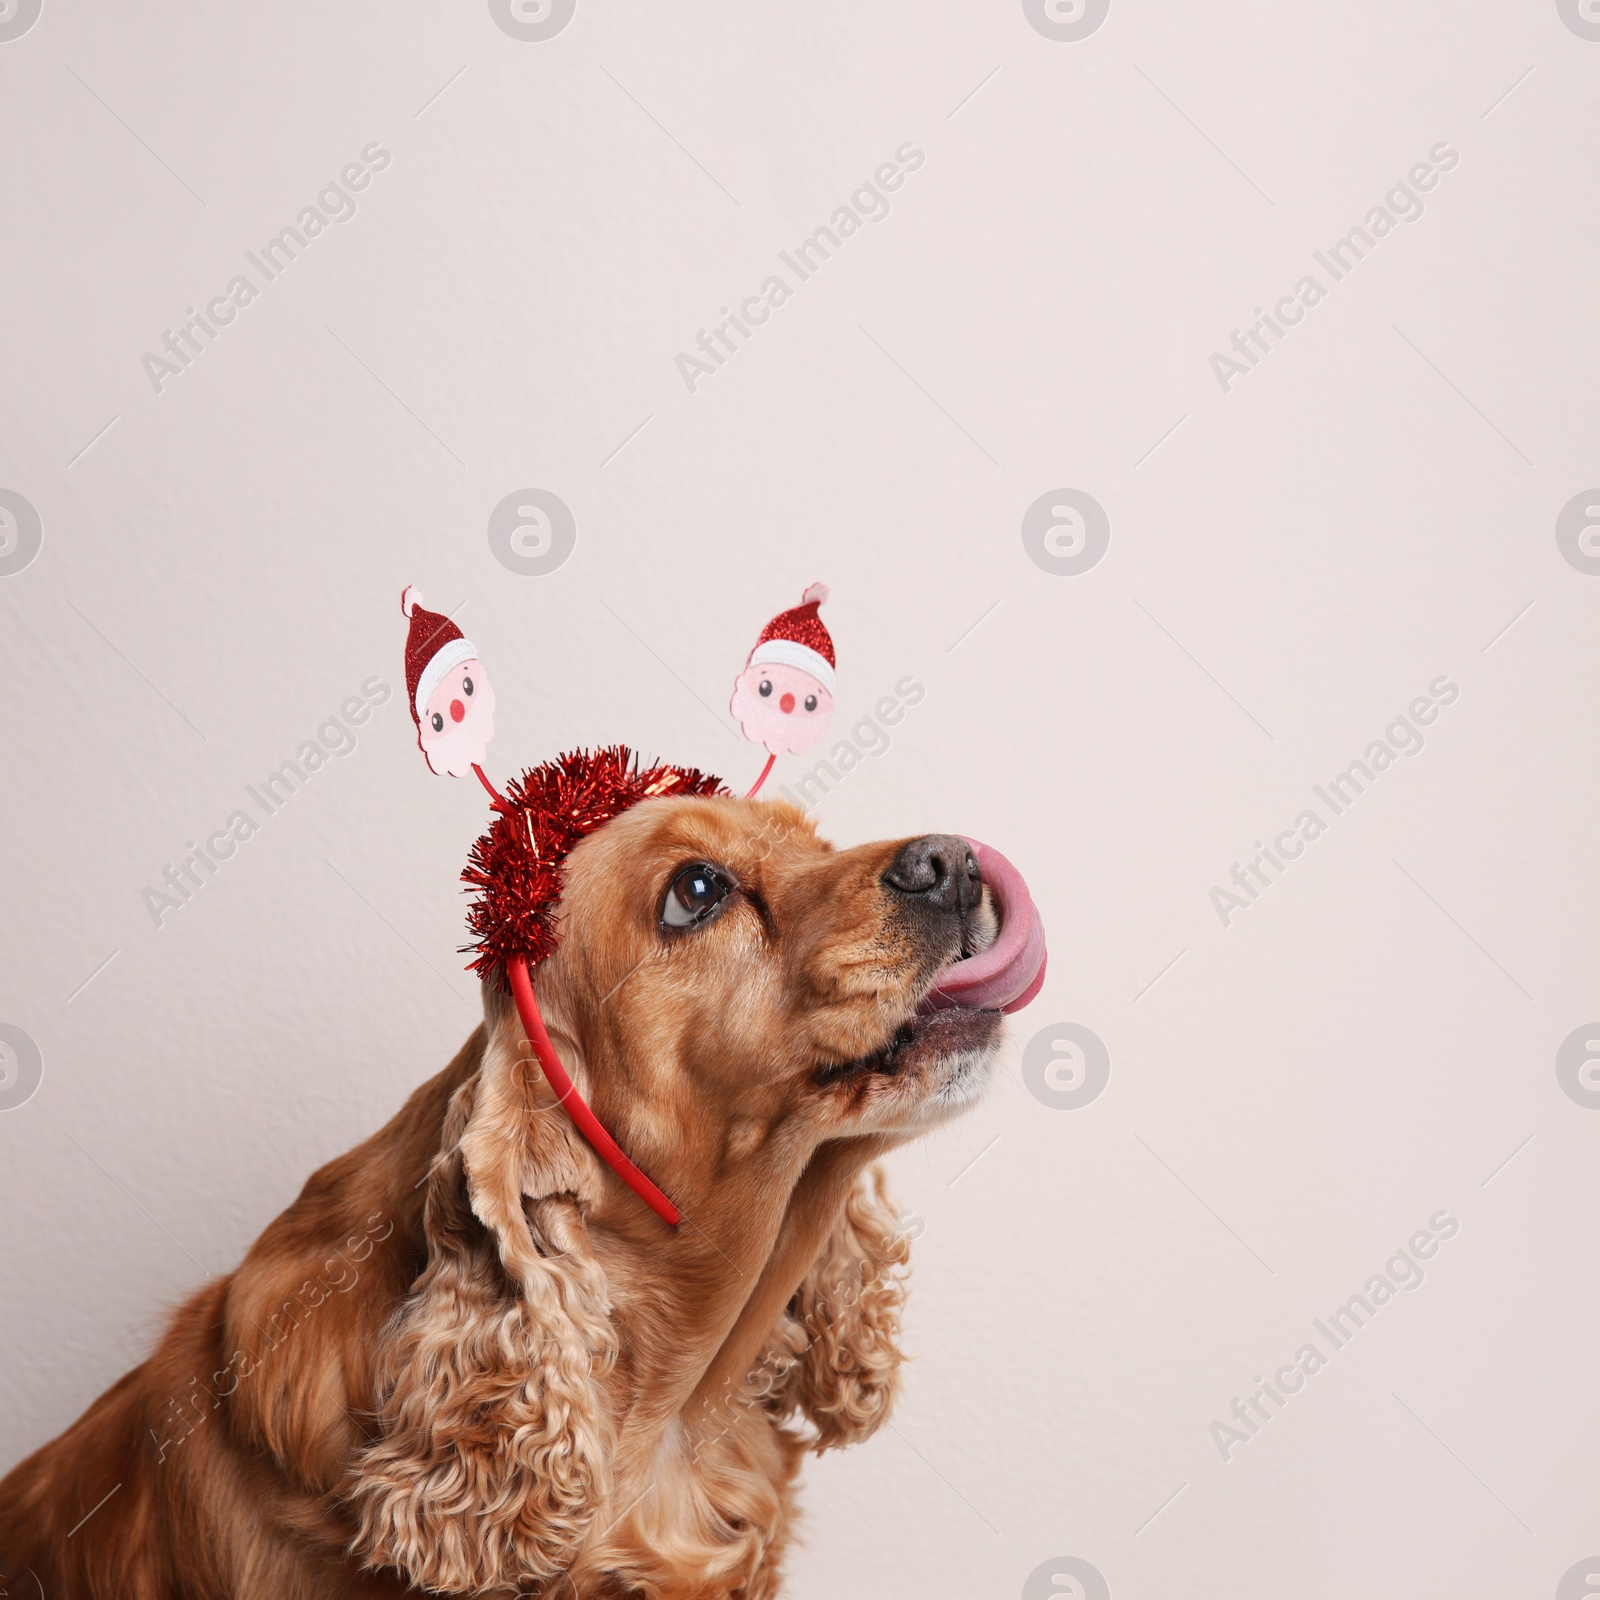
(495, 1439)
(847, 1309)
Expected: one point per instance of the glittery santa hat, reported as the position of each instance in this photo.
(799, 638)
(433, 646)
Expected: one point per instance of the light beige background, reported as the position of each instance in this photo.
(1374, 1039)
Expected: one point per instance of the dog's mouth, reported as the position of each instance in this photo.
(1003, 972)
(923, 1040)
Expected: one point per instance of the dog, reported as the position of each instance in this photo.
(467, 1360)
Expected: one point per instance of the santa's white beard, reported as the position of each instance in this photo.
(459, 746)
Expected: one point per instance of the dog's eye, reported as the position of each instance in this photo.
(766, 687)
(466, 686)
(811, 702)
(693, 896)
(437, 719)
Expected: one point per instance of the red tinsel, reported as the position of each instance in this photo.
(516, 867)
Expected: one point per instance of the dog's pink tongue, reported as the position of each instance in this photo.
(1007, 975)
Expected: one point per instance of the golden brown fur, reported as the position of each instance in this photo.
(468, 1360)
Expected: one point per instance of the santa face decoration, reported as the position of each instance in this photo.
(782, 707)
(457, 723)
(784, 697)
(452, 701)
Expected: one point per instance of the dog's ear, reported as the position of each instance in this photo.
(494, 1441)
(848, 1310)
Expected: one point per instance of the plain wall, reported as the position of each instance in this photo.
(1293, 559)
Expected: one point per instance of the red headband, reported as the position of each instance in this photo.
(517, 867)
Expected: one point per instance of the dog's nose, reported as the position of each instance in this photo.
(939, 869)
(457, 711)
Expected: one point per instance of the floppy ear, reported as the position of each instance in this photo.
(494, 1439)
(847, 1309)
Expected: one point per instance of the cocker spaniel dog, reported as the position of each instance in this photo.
(467, 1360)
